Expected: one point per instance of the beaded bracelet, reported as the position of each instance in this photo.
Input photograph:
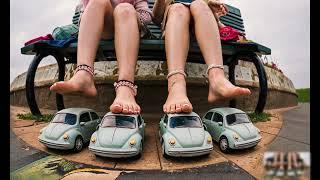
(85, 68)
(127, 83)
(214, 66)
(176, 72)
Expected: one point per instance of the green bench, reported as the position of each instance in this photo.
(150, 49)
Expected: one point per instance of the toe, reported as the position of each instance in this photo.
(136, 109)
(165, 108)
(131, 108)
(172, 108)
(125, 109)
(116, 108)
(187, 108)
(178, 108)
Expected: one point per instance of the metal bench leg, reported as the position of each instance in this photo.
(232, 78)
(263, 83)
(61, 66)
(30, 95)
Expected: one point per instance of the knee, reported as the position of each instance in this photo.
(124, 10)
(179, 11)
(98, 3)
(199, 7)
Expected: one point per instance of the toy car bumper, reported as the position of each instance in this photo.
(55, 145)
(189, 152)
(247, 143)
(114, 152)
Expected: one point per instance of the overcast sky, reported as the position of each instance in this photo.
(283, 25)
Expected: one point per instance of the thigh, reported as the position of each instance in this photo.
(108, 30)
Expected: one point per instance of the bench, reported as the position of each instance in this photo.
(150, 49)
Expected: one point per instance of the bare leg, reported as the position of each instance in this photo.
(207, 34)
(127, 45)
(177, 46)
(91, 28)
(290, 158)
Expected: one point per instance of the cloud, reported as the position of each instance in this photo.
(281, 25)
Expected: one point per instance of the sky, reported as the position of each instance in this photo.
(283, 26)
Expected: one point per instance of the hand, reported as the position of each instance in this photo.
(114, 3)
(220, 9)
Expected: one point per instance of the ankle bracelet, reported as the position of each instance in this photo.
(176, 72)
(214, 66)
(127, 83)
(85, 68)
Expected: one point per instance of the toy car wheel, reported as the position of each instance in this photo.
(164, 154)
(224, 145)
(78, 144)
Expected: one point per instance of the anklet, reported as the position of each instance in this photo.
(176, 72)
(214, 66)
(127, 83)
(85, 68)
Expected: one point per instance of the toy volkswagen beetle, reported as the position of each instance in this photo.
(118, 136)
(70, 129)
(183, 135)
(232, 128)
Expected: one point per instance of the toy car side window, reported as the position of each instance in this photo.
(139, 120)
(94, 116)
(217, 117)
(85, 117)
(165, 119)
(208, 115)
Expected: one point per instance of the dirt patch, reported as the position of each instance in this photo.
(249, 159)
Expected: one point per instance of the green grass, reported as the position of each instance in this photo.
(30, 116)
(260, 117)
(303, 94)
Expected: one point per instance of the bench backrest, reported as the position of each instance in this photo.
(233, 19)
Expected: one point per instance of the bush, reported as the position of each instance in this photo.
(303, 95)
(30, 116)
(259, 117)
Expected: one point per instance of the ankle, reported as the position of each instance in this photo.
(216, 73)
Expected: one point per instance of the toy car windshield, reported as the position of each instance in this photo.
(65, 118)
(185, 122)
(238, 118)
(119, 122)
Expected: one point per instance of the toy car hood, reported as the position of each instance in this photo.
(55, 130)
(245, 130)
(188, 137)
(113, 137)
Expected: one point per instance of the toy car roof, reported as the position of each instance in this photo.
(119, 114)
(75, 110)
(183, 114)
(227, 110)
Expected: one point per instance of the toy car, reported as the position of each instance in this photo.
(118, 136)
(183, 135)
(70, 129)
(232, 128)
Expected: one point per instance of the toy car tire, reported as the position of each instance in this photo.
(224, 144)
(78, 144)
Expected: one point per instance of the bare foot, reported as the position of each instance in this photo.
(81, 82)
(177, 100)
(221, 88)
(125, 102)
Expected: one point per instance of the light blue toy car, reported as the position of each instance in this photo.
(232, 128)
(118, 136)
(70, 129)
(183, 135)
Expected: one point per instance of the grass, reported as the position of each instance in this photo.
(260, 117)
(30, 116)
(303, 94)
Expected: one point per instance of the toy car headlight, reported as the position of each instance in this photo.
(65, 136)
(209, 140)
(236, 136)
(93, 139)
(132, 142)
(172, 141)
